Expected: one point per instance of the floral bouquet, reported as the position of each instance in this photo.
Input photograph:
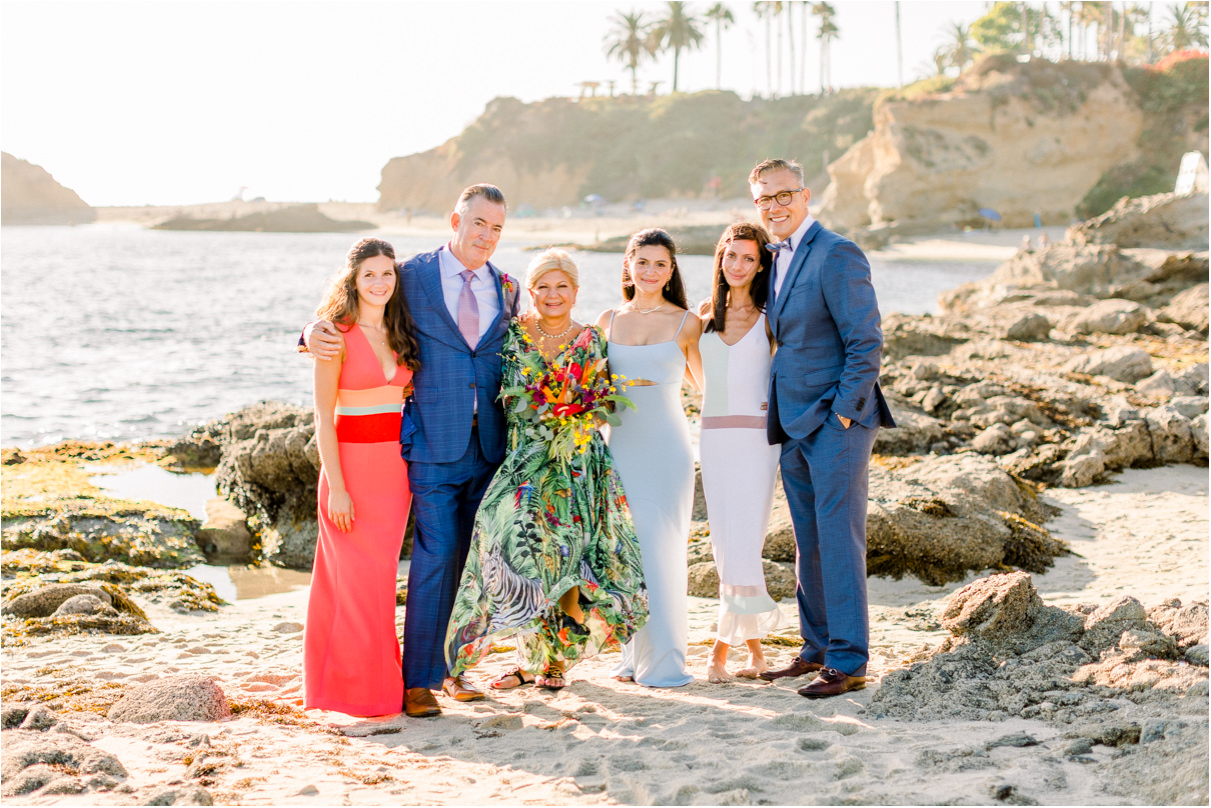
(562, 401)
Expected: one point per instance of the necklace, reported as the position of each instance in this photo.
(381, 341)
(568, 330)
(646, 311)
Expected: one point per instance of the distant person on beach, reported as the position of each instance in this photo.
(738, 462)
(653, 342)
(554, 567)
(825, 408)
(453, 428)
(351, 656)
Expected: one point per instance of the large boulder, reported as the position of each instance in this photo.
(1166, 220)
(1122, 363)
(270, 471)
(1110, 316)
(1188, 309)
(185, 697)
(945, 516)
(1011, 655)
(45, 601)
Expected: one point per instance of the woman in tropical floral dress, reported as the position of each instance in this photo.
(554, 563)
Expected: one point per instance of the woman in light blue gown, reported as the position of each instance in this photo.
(653, 343)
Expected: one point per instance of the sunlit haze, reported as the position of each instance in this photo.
(132, 103)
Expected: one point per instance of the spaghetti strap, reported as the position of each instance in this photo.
(610, 327)
(681, 324)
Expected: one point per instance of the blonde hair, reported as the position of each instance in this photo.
(549, 261)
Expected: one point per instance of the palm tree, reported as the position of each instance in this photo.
(722, 15)
(828, 32)
(628, 41)
(1185, 27)
(804, 11)
(899, 50)
(961, 49)
(790, 43)
(765, 12)
(777, 7)
(679, 31)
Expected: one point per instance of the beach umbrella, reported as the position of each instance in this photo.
(989, 214)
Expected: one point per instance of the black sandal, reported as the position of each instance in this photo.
(552, 679)
(513, 673)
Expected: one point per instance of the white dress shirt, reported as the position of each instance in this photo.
(482, 286)
(785, 257)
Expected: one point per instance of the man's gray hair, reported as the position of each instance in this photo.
(766, 166)
(488, 192)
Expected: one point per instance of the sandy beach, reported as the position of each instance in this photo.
(600, 741)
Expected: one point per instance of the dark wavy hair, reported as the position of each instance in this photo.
(674, 289)
(340, 304)
(740, 231)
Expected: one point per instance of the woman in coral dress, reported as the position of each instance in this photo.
(351, 654)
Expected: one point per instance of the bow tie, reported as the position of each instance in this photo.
(775, 246)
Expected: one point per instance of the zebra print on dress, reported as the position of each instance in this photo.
(515, 598)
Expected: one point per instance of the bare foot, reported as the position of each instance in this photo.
(716, 673)
(756, 666)
(623, 678)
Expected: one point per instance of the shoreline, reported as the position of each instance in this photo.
(582, 226)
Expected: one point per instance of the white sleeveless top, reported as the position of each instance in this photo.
(737, 379)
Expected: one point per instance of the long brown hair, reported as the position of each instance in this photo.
(759, 291)
(674, 289)
(340, 304)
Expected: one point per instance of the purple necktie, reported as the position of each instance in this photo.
(468, 310)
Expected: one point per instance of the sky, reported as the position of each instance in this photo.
(166, 102)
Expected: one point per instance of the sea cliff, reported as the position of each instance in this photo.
(31, 196)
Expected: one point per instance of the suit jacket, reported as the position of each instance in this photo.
(826, 324)
(437, 418)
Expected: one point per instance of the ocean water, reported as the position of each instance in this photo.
(114, 332)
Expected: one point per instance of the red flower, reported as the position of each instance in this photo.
(565, 410)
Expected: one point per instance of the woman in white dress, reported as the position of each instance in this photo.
(653, 342)
(738, 463)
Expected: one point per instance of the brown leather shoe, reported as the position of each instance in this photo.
(457, 688)
(419, 703)
(832, 682)
(798, 667)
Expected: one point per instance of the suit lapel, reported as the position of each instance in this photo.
(432, 282)
(494, 274)
(797, 262)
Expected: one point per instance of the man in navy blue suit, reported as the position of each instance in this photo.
(825, 409)
(454, 428)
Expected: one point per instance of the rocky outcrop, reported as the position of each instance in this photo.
(29, 195)
(1167, 221)
(295, 219)
(1011, 655)
(1020, 139)
(55, 763)
(270, 470)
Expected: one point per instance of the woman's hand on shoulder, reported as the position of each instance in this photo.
(705, 308)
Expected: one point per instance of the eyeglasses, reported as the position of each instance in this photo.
(783, 198)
